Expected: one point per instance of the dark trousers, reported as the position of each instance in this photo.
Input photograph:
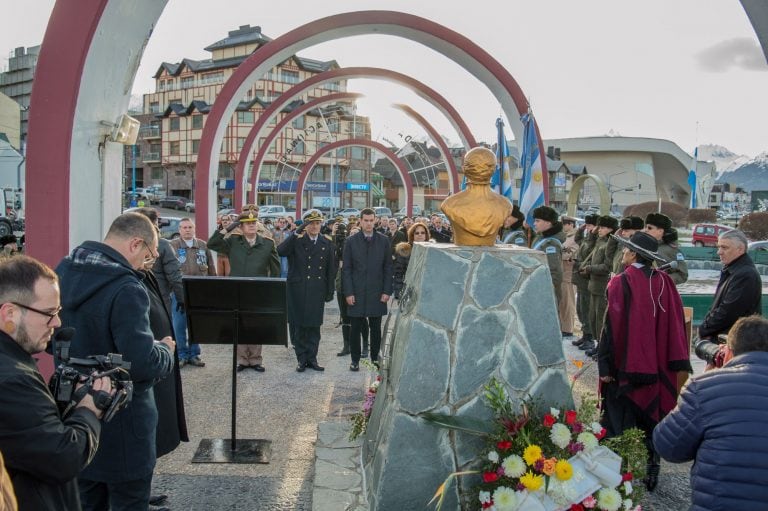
(307, 343)
(124, 496)
(358, 325)
(582, 308)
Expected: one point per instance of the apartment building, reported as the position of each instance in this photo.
(16, 82)
(175, 113)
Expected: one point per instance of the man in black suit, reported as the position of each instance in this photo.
(366, 281)
(311, 282)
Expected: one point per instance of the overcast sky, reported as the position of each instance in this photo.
(656, 68)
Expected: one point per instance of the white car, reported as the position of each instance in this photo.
(190, 207)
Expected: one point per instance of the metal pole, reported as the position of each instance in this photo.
(133, 175)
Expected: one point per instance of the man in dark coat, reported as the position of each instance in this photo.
(719, 423)
(366, 281)
(43, 453)
(643, 346)
(311, 279)
(104, 300)
(739, 293)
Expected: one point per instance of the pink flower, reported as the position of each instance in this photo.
(575, 447)
(589, 502)
(577, 427)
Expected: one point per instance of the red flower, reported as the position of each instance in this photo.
(577, 507)
(489, 477)
(549, 420)
(601, 434)
(570, 417)
(504, 445)
(627, 476)
(486, 505)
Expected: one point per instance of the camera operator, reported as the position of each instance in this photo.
(738, 294)
(43, 452)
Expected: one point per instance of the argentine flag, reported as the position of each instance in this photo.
(532, 184)
(502, 180)
(692, 178)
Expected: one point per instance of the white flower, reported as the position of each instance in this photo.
(588, 440)
(493, 457)
(560, 435)
(608, 499)
(514, 466)
(627, 504)
(485, 496)
(627, 488)
(504, 499)
(554, 412)
(596, 428)
(375, 384)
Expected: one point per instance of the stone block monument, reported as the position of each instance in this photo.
(468, 313)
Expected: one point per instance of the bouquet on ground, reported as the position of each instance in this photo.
(360, 419)
(553, 459)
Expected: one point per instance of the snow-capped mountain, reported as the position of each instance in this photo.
(725, 159)
(750, 175)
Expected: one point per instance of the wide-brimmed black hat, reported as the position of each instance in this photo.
(659, 220)
(545, 213)
(643, 244)
(608, 221)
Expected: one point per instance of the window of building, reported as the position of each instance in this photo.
(156, 172)
(187, 82)
(161, 85)
(197, 122)
(174, 123)
(195, 146)
(247, 117)
(155, 148)
(334, 125)
(154, 107)
(358, 153)
(181, 172)
(334, 86)
(175, 148)
(268, 171)
(341, 152)
(212, 78)
(299, 149)
(298, 123)
(240, 143)
(289, 76)
(356, 176)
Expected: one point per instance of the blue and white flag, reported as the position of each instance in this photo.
(532, 184)
(692, 178)
(502, 179)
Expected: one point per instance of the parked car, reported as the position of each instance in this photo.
(705, 235)
(273, 212)
(173, 202)
(190, 207)
(348, 212)
(382, 211)
(169, 227)
(225, 211)
(401, 213)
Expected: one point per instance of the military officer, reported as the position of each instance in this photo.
(660, 227)
(311, 282)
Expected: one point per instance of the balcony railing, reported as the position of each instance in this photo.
(151, 156)
(150, 132)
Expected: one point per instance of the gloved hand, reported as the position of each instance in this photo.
(179, 306)
(300, 229)
(234, 225)
(329, 297)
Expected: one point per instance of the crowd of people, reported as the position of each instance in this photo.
(615, 278)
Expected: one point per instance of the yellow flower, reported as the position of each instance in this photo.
(532, 482)
(563, 470)
(532, 454)
(549, 466)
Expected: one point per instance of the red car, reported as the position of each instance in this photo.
(705, 235)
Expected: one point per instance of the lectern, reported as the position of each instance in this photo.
(230, 310)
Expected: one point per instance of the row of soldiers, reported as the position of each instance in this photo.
(582, 260)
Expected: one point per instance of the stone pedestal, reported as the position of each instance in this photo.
(468, 313)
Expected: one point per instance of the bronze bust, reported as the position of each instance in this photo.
(477, 213)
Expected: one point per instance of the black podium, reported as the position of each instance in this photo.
(224, 310)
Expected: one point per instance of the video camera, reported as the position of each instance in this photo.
(71, 372)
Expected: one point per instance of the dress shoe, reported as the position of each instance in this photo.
(315, 366)
(591, 353)
(354, 366)
(157, 500)
(579, 341)
(182, 363)
(195, 361)
(300, 368)
(342, 353)
(258, 368)
(587, 345)
(241, 367)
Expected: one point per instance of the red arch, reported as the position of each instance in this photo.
(243, 162)
(437, 37)
(285, 98)
(357, 142)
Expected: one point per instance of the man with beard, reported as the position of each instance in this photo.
(642, 347)
(43, 452)
(311, 279)
(549, 239)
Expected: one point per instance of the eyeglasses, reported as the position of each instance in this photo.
(50, 315)
(152, 256)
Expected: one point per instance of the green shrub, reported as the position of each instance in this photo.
(677, 213)
(755, 225)
(702, 216)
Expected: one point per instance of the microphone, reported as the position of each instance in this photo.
(64, 334)
(671, 265)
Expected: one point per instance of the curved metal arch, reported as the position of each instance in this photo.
(242, 164)
(453, 45)
(573, 196)
(356, 142)
(421, 89)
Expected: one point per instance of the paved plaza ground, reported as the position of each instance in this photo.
(286, 407)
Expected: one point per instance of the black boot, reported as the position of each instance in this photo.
(652, 475)
(581, 340)
(588, 344)
(345, 329)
